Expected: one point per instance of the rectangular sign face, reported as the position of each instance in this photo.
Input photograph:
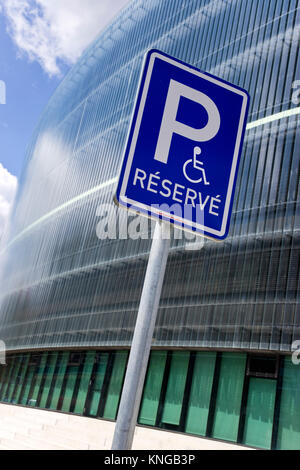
(184, 145)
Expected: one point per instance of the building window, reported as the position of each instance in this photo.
(97, 381)
(200, 395)
(115, 385)
(262, 366)
(29, 377)
(49, 372)
(35, 389)
(288, 436)
(85, 378)
(253, 401)
(175, 389)
(259, 413)
(152, 389)
(229, 397)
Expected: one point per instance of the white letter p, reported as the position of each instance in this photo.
(170, 126)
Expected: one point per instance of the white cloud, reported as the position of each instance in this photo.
(8, 186)
(50, 31)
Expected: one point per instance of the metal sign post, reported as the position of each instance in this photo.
(141, 343)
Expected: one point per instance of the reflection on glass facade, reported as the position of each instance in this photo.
(63, 287)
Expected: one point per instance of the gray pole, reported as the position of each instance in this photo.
(142, 339)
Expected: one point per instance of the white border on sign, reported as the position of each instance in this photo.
(150, 209)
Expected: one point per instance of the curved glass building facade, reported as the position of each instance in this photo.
(233, 306)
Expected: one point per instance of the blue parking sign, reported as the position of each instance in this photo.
(183, 149)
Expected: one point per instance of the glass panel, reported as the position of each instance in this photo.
(20, 379)
(10, 378)
(72, 375)
(6, 381)
(2, 374)
(229, 396)
(84, 382)
(289, 417)
(152, 389)
(32, 400)
(10, 391)
(260, 413)
(203, 375)
(97, 384)
(59, 377)
(115, 385)
(49, 371)
(3, 379)
(27, 384)
(175, 388)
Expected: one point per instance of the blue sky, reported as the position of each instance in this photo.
(39, 42)
(28, 88)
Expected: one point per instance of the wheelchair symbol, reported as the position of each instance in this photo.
(197, 165)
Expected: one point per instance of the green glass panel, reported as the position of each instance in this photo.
(20, 378)
(10, 367)
(289, 418)
(2, 374)
(175, 387)
(152, 388)
(9, 379)
(27, 384)
(59, 378)
(84, 382)
(200, 394)
(229, 396)
(49, 371)
(98, 384)
(29, 378)
(72, 375)
(18, 362)
(260, 413)
(3, 381)
(115, 385)
(70, 385)
(32, 400)
(3, 369)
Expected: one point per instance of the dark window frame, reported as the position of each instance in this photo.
(264, 375)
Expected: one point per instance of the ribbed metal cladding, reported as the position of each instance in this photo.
(63, 287)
